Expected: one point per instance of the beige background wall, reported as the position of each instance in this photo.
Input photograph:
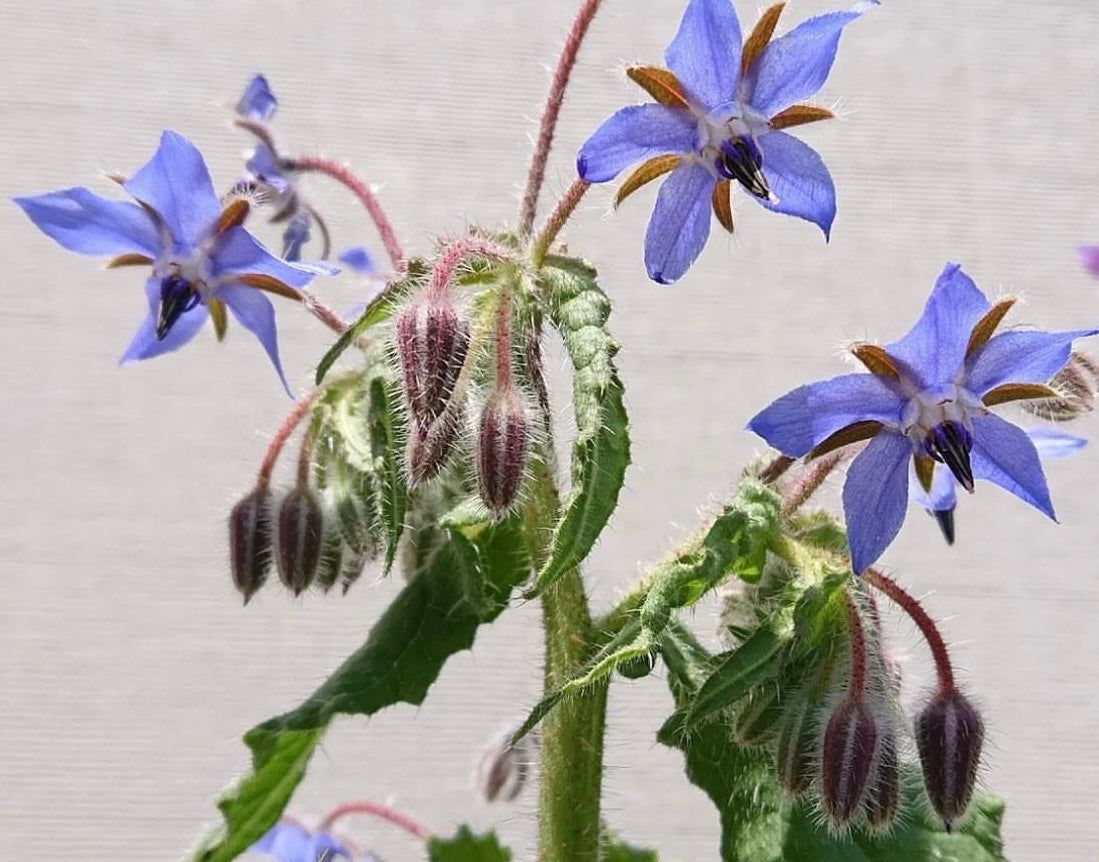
(128, 668)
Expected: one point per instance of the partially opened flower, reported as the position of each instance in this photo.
(203, 261)
(720, 107)
(927, 399)
(940, 498)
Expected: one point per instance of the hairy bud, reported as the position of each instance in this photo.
(1077, 384)
(428, 449)
(299, 538)
(330, 564)
(504, 767)
(758, 720)
(949, 736)
(847, 757)
(250, 541)
(797, 745)
(432, 343)
(502, 441)
(883, 795)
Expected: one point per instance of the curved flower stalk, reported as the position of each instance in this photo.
(926, 400)
(203, 261)
(940, 497)
(720, 107)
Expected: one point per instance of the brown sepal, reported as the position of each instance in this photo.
(659, 83)
(876, 360)
(925, 468)
(1018, 392)
(270, 284)
(234, 214)
(759, 37)
(723, 204)
(130, 259)
(986, 326)
(217, 314)
(646, 173)
(853, 433)
(799, 115)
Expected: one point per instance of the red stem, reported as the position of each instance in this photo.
(454, 253)
(362, 191)
(858, 650)
(923, 622)
(365, 806)
(281, 436)
(567, 60)
(557, 219)
(503, 342)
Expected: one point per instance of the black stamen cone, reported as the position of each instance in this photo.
(945, 517)
(742, 161)
(176, 297)
(950, 443)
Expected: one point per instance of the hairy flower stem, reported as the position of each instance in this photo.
(537, 172)
(774, 470)
(798, 492)
(454, 253)
(557, 219)
(503, 341)
(281, 436)
(322, 312)
(924, 623)
(572, 734)
(366, 196)
(377, 809)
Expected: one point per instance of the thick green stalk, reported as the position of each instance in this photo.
(572, 734)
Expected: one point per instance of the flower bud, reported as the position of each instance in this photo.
(330, 564)
(432, 343)
(797, 745)
(250, 541)
(758, 720)
(428, 450)
(949, 735)
(638, 666)
(502, 441)
(504, 767)
(299, 538)
(883, 795)
(848, 754)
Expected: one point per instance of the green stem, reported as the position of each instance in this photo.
(572, 734)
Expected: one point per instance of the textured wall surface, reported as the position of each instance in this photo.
(128, 668)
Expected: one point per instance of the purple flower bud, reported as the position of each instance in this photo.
(250, 541)
(330, 564)
(504, 767)
(849, 751)
(502, 442)
(883, 795)
(432, 343)
(428, 449)
(949, 736)
(299, 538)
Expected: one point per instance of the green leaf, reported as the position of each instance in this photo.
(758, 824)
(467, 847)
(601, 451)
(738, 671)
(613, 849)
(468, 583)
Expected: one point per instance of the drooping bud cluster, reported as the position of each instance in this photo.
(250, 541)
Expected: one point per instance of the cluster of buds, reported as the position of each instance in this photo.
(441, 379)
(840, 734)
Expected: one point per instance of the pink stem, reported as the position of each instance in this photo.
(923, 622)
(362, 191)
(454, 253)
(364, 806)
(322, 312)
(503, 342)
(281, 436)
(537, 172)
(557, 219)
(798, 492)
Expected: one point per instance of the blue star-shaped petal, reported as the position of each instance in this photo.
(720, 107)
(927, 400)
(202, 260)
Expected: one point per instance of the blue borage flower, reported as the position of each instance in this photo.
(287, 841)
(940, 498)
(203, 261)
(271, 177)
(926, 400)
(720, 107)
